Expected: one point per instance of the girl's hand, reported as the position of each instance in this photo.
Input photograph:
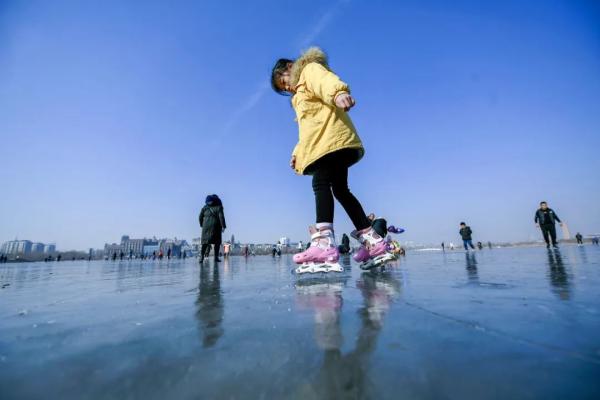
(345, 101)
(293, 162)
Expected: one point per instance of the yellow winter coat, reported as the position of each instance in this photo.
(323, 127)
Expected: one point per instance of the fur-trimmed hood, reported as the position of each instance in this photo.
(313, 54)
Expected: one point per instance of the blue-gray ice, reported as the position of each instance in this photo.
(495, 324)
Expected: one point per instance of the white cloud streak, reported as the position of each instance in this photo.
(321, 24)
(262, 88)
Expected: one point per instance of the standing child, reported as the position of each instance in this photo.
(328, 145)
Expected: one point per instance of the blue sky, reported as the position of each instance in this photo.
(120, 117)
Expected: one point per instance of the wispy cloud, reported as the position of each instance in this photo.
(321, 24)
(253, 99)
(247, 105)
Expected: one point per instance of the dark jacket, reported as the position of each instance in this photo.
(212, 221)
(466, 233)
(546, 217)
(344, 248)
(345, 241)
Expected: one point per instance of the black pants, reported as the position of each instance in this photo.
(330, 178)
(205, 251)
(551, 230)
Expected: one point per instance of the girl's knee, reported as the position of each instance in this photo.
(341, 191)
(321, 185)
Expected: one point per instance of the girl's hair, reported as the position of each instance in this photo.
(280, 67)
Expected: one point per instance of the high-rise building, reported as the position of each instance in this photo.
(17, 247)
(37, 247)
(134, 246)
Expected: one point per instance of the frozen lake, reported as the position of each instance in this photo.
(521, 323)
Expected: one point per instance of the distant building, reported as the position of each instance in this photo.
(138, 247)
(134, 246)
(110, 249)
(172, 244)
(37, 247)
(17, 247)
(22, 247)
(5, 249)
(284, 241)
(128, 246)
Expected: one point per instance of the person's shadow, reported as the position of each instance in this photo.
(209, 306)
(347, 375)
(558, 276)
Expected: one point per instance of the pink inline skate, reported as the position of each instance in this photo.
(374, 250)
(322, 255)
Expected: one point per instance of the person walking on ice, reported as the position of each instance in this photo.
(328, 145)
(465, 233)
(545, 219)
(212, 222)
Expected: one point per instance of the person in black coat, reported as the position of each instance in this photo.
(545, 218)
(344, 248)
(212, 222)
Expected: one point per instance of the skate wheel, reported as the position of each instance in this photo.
(367, 266)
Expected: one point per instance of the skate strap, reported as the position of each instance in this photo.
(320, 234)
(315, 235)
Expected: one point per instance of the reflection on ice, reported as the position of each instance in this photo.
(249, 328)
(559, 278)
(210, 306)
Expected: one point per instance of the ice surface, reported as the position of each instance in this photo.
(521, 323)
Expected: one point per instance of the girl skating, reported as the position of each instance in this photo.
(328, 145)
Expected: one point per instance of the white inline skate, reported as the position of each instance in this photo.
(322, 255)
